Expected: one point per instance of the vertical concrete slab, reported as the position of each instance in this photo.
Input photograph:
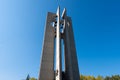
(47, 60)
(71, 63)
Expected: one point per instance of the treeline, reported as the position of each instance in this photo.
(83, 77)
(30, 78)
(114, 77)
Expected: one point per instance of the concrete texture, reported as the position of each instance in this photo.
(71, 64)
(47, 60)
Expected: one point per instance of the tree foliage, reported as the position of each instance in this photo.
(33, 78)
(30, 78)
(114, 77)
(83, 77)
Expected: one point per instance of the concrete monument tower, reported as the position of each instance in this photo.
(51, 62)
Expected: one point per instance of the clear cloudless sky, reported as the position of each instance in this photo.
(96, 25)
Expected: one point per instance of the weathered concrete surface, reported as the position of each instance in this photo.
(71, 63)
(47, 61)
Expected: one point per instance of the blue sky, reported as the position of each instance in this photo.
(96, 25)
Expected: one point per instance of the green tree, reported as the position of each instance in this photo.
(33, 78)
(28, 77)
(115, 77)
(81, 77)
(107, 78)
(99, 78)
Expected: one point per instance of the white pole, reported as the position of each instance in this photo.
(58, 50)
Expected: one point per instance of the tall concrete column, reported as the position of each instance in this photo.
(47, 57)
(71, 63)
